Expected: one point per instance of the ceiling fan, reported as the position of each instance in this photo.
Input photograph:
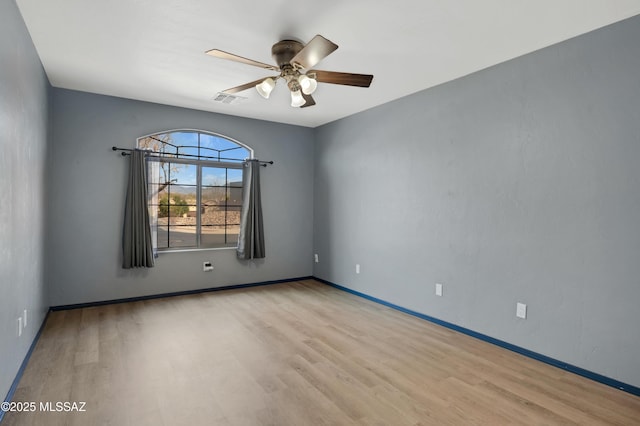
(295, 61)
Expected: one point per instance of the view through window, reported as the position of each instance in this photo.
(195, 189)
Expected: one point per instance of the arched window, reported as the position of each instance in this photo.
(195, 188)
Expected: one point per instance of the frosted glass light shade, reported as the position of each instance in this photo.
(307, 84)
(266, 87)
(296, 99)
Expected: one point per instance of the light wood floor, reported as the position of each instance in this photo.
(298, 354)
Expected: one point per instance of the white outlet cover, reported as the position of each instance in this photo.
(24, 321)
(357, 268)
(315, 257)
(521, 310)
(438, 289)
(19, 326)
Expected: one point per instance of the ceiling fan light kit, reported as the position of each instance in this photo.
(294, 62)
(296, 99)
(266, 87)
(307, 84)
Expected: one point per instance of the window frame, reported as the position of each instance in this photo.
(199, 163)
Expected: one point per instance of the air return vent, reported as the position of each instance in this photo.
(228, 99)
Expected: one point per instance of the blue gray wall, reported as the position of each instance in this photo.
(87, 188)
(517, 183)
(23, 147)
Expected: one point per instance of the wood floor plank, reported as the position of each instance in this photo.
(299, 353)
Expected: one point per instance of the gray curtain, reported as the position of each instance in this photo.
(251, 236)
(136, 239)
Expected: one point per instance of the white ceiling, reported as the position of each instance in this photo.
(153, 50)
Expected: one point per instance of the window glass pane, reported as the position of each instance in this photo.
(162, 228)
(235, 154)
(214, 176)
(233, 214)
(158, 143)
(185, 143)
(208, 141)
(209, 154)
(224, 148)
(189, 153)
(153, 190)
(219, 236)
(215, 142)
(214, 215)
(212, 198)
(182, 236)
(163, 206)
(182, 174)
(232, 235)
(170, 150)
(147, 143)
(225, 144)
(184, 138)
(163, 237)
(212, 236)
(163, 173)
(234, 177)
(209, 146)
(180, 198)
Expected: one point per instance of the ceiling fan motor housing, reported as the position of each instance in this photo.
(283, 51)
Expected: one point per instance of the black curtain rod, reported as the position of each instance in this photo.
(126, 151)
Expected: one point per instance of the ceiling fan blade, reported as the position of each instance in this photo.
(230, 56)
(243, 87)
(309, 99)
(344, 78)
(315, 51)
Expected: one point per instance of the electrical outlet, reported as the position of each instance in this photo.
(521, 310)
(315, 257)
(19, 326)
(24, 321)
(207, 266)
(438, 289)
(357, 268)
